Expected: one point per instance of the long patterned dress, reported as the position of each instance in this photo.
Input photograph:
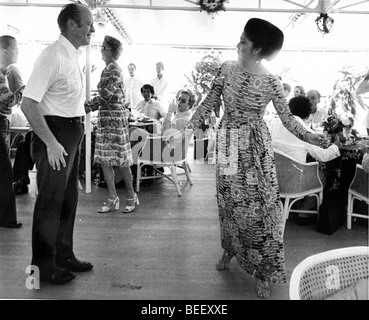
(112, 146)
(249, 205)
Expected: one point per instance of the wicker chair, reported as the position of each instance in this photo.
(358, 190)
(297, 180)
(326, 274)
(157, 153)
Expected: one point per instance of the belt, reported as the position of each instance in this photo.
(56, 119)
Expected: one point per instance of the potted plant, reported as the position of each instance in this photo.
(201, 79)
(343, 104)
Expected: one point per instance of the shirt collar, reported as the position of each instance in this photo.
(303, 123)
(4, 70)
(72, 51)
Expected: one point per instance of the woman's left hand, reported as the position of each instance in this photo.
(317, 139)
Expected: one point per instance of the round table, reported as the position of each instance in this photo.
(150, 126)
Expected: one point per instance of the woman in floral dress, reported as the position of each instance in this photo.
(250, 211)
(112, 147)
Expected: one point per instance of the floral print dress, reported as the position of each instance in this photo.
(112, 146)
(250, 211)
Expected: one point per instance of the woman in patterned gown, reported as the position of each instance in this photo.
(112, 147)
(249, 206)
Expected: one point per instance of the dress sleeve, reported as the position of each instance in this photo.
(283, 111)
(212, 100)
(110, 85)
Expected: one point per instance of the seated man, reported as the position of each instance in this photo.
(286, 89)
(365, 162)
(318, 114)
(149, 107)
(286, 142)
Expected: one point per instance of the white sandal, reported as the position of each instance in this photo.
(129, 209)
(112, 203)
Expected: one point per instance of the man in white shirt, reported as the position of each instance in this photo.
(149, 107)
(160, 83)
(53, 103)
(285, 141)
(318, 114)
(132, 86)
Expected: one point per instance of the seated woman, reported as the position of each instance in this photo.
(179, 113)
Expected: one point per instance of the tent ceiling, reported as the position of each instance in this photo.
(179, 23)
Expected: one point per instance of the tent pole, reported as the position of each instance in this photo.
(88, 122)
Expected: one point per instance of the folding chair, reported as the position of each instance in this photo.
(358, 190)
(158, 153)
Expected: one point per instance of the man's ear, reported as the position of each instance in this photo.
(72, 25)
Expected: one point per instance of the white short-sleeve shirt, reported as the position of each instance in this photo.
(56, 82)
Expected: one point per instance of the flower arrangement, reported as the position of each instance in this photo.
(212, 6)
(201, 79)
(202, 76)
(324, 23)
(343, 103)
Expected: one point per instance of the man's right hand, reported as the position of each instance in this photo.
(172, 108)
(338, 142)
(55, 154)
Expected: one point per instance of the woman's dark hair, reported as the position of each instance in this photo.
(148, 87)
(300, 106)
(5, 41)
(264, 35)
(192, 100)
(70, 11)
(115, 45)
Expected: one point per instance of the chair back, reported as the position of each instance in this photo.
(322, 275)
(360, 182)
(295, 177)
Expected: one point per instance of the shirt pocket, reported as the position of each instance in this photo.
(74, 85)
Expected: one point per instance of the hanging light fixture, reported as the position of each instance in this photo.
(324, 23)
(99, 18)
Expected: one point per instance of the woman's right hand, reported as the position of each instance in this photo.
(87, 106)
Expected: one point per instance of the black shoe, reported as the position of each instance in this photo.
(13, 225)
(57, 277)
(19, 188)
(73, 264)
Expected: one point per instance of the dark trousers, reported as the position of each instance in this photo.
(8, 212)
(23, 161)
(56, 203)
